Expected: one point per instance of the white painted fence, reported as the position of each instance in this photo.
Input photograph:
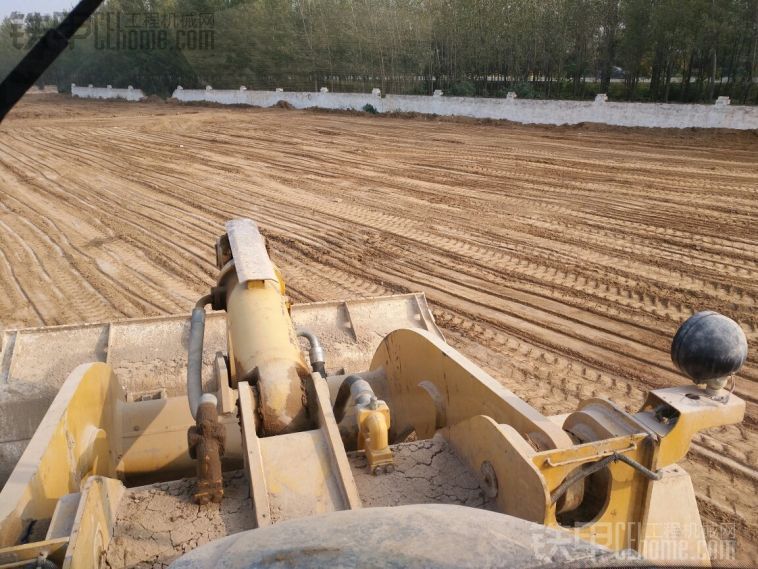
(90, 92)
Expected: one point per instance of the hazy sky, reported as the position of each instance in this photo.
(26, 6)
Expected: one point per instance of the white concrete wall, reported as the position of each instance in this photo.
(108, 92)
(46, 90)
(526, 111)
(517, 110)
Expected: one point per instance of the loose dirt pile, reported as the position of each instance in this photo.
(284, 105)
(560, 259)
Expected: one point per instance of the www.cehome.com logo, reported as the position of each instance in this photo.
(123, 31)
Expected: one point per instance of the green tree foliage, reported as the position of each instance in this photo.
(661, 50)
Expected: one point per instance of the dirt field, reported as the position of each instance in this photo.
(561, 260)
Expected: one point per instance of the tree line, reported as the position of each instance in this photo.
(656, 50)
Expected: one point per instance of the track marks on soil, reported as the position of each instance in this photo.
(561, 260)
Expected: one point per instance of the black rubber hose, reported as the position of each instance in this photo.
(592, 468)
(195, 355)
(41, 564)
(646, 472)
(343, 396)
(581, 474)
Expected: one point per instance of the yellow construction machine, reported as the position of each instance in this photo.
(363, 437)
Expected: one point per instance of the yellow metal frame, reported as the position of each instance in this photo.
(80, 436)
(430, 387)
(93, 524)
(91, 435)
(75, 449)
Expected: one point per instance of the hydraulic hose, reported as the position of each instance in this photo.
(195, 355)
(355, 386)
(592, 468)
(41, 563)
(316, 352)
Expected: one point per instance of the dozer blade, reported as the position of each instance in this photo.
(149, 355)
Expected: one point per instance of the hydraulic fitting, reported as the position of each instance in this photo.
(206, 442)
(373, 435)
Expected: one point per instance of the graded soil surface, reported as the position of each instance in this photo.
(559, 259)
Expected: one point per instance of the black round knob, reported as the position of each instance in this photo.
(708, 346)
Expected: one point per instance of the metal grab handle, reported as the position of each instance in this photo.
(631, 447)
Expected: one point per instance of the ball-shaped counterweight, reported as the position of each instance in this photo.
(709, 346)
